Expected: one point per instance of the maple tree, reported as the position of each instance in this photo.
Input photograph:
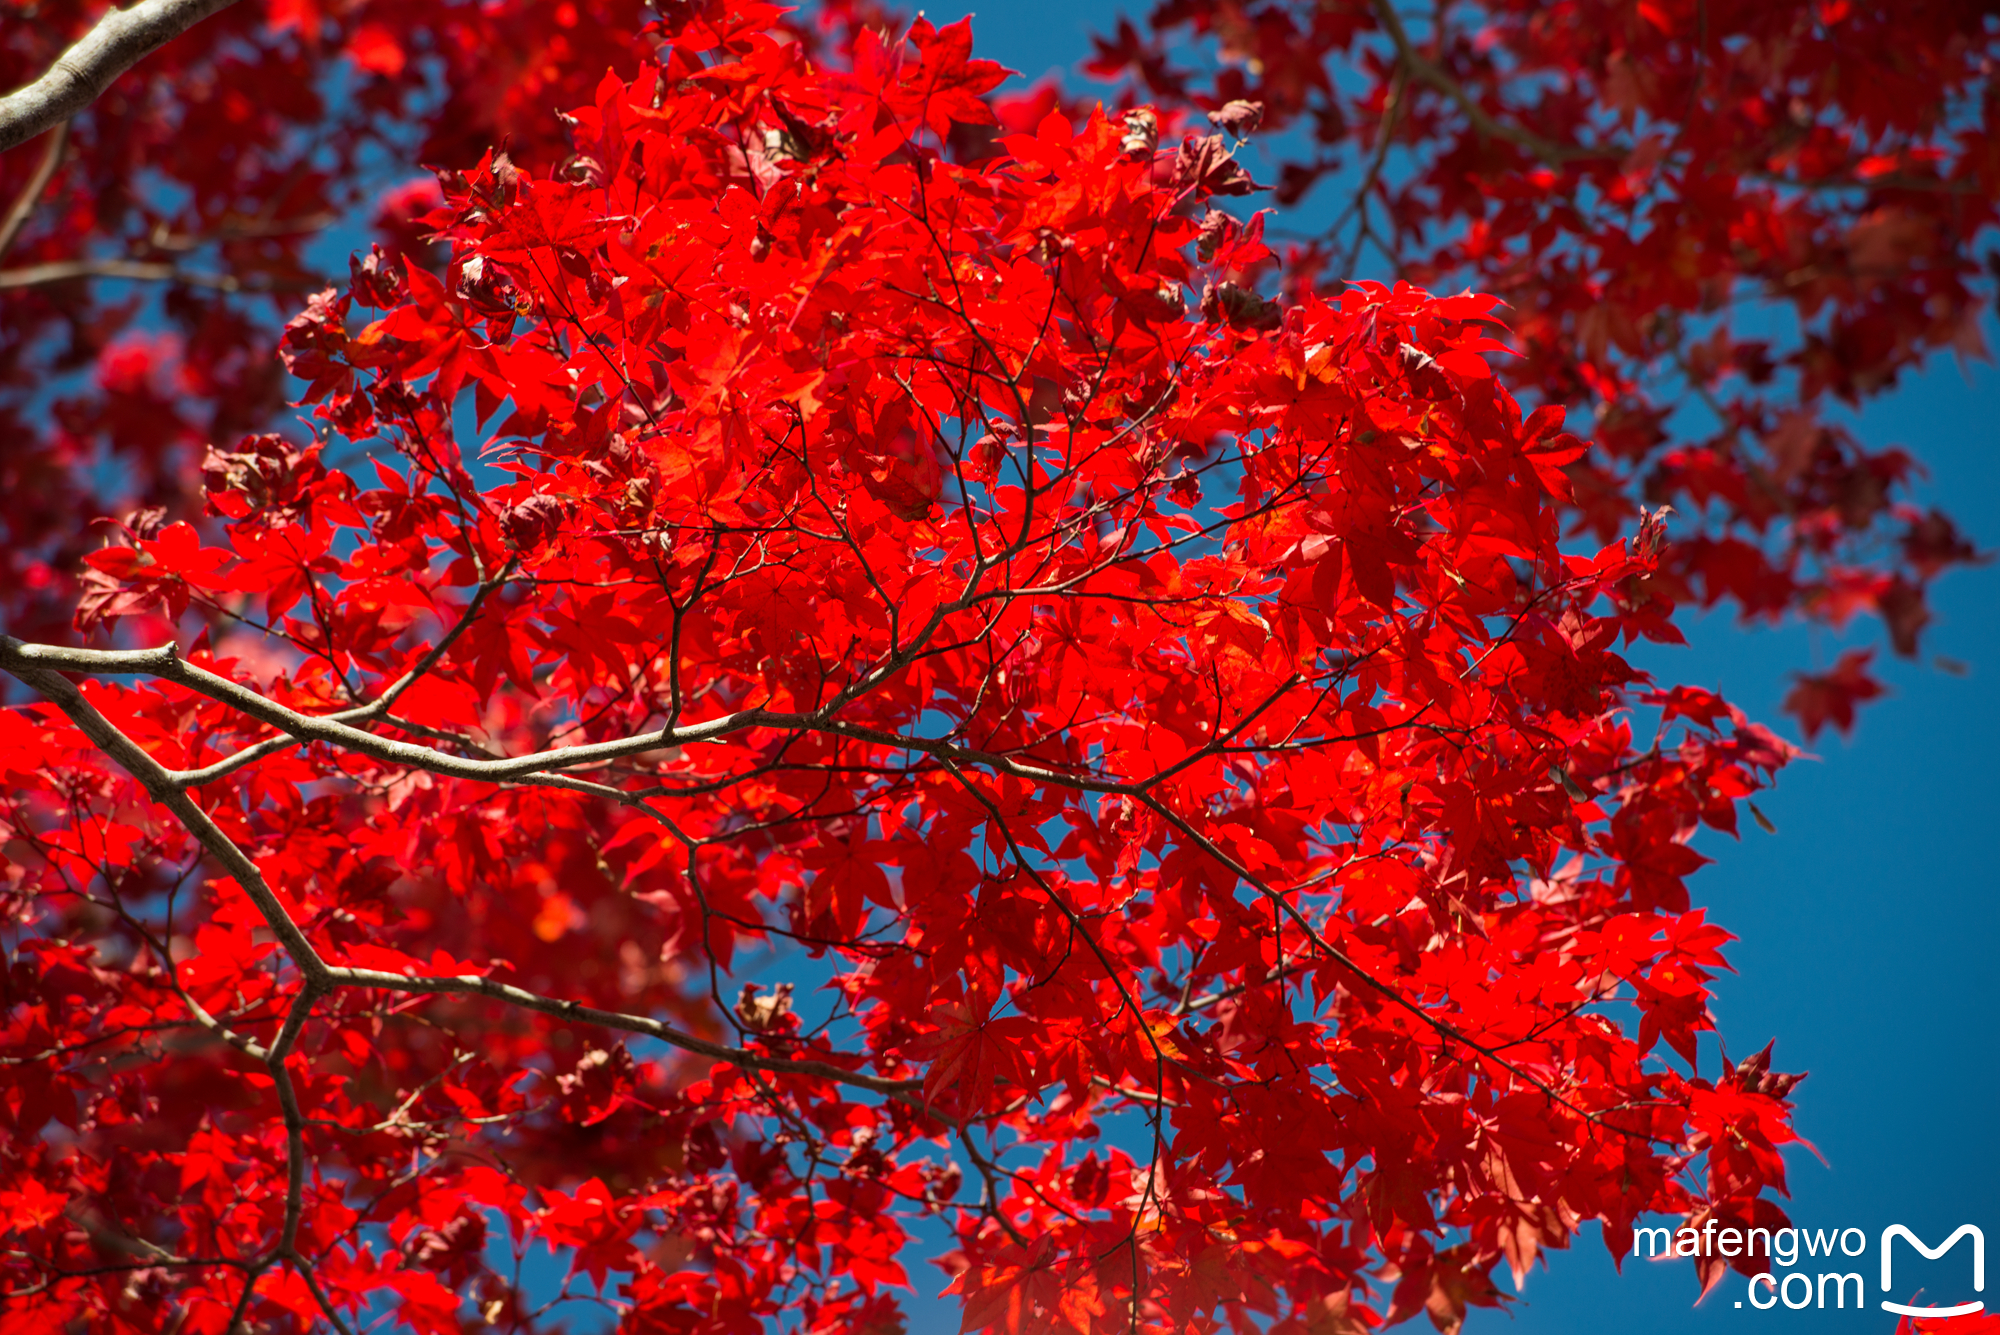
(798, 510)
(1711, 220)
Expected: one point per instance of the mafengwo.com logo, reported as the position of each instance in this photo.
(1829, 1268)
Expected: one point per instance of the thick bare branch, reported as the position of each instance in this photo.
(166, 662)
(295, 1122)
(376, 708)
(121, 39)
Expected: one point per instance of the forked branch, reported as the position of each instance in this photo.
(321, 977)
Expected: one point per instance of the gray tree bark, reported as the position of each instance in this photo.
(120, 40)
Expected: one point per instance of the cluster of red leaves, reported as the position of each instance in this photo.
(1711, 220)
(1207, 787)
(202, 178)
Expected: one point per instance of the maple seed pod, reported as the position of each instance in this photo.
(1238, 118)
(1240, 308)
(1206, 164)
(1160, 305)
(1050, 245)
(1142, 132)
(761, 1012)
(1216, 227)
(534, 521)
(145, 523)
(583, 170)
(377, 280)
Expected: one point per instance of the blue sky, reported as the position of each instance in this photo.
(1869, 923)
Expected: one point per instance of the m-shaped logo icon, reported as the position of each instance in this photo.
(1894, 1231)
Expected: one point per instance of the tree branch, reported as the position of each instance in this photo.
(24, 207)
(1443, 1028)
(165, 662)
(320, 977)
(121, 39)
(1426, 72)
(477, 986)
(144, 271)
(32, 663)
(159, 784)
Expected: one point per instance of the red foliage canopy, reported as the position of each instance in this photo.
(202, 178)
(1709, 218)
(805, 521)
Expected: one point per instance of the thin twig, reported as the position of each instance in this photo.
(24, 207)
(1425, 71)
(145, 271)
